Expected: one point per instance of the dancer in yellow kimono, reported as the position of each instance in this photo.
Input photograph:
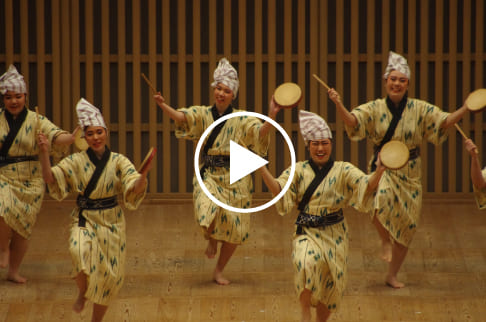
(97, 240)
(478, 176)
(219, 225)
(21, 185)
(397, 117)
(321, 188)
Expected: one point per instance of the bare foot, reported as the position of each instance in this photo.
(4, 259)
(393, 282)
(219, 278)
(212, 248)
(78, 306)
(16, 278)
(386, 251)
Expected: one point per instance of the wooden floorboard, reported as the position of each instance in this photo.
(169, 278)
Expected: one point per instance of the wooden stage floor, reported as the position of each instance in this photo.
(169, 278)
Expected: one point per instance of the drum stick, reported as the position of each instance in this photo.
(321, 81)
(149, 83)
(463, 134)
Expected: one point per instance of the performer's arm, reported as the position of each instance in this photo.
(348, 118)
(43, 143)
(66, 138)
(177, 116)
(476, 174)
(270, 181)
(454, 117)
(272, 113)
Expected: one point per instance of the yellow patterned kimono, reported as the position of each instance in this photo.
(480, 194)
(229, 226)
(99, 249)
(399, 199)
(21, 184)
(320, 255)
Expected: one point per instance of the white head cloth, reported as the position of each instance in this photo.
(89, 115)
(313, 127)
(12, 81)
(227, 75)
(396, 62)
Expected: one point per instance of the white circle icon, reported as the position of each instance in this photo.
(222, 204)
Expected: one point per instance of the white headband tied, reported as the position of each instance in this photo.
(227, 75)
(313, 127)
(89, 115)
(396, 62)
(12, 81)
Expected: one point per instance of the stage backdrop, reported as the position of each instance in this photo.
(98, 49)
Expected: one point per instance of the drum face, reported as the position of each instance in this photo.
(288, 95)
(394, 155)
(476, 101)
(80, 142)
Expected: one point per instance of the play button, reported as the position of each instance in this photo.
(243, 162)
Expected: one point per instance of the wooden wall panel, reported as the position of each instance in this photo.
(99, 49)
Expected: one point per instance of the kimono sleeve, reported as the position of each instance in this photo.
(480, 194)
(66, 180)
(433, 118)
(289, 199)
(251, 136)
(356, 187)
(198, 119)
(128, 176)
(52, 131)
(366, 122)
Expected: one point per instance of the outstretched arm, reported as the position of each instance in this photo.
(454, 117)
(272, 113)
(43, 143)
(348, 118)
(476, 174)
(66, 138)
(177, 116)
(270, 181)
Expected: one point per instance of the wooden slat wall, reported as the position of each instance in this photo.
(277, 41)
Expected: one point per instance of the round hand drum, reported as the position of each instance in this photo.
(394, 155)
(287, 95)
(80, 142)
(150, 155)
(476, 101)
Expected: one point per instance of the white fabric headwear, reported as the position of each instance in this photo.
(313, 127)
(88, 114)
(396, 62)
(227, 75)
(12, 81)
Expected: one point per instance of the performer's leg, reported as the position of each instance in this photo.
(386, 243)
(399, 253)
(225, 253)
(82, 283)
(98, 312)
(322, 313)
(212, 247)
(5, 233)
(305, 305)
(18, 248)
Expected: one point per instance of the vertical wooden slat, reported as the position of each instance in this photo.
(9, 32)
(227, 25)
(57, 100)
(370, 62)
(75, 62)
(323, 61)
(41, 54)
(105, 62)
(314, 104)
(152, 52)
(181, 90)
(272, 69)
(339, 146)
(439, 48)
(242, 60)
(89, 61)
(196, 31)
(24, 42)
(479, 62)
(212, 43)
(412, 49)
(122, 76)
(68, 22)
(166, 93)
(301, 65)
(453, 60)
(354, 69)
(136, 83)
(466, 86)
(287, 56)
(400, 24)
(424, 57)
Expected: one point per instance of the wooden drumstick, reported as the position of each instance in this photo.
(149, 83)
(321, 81)
(463, 134)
